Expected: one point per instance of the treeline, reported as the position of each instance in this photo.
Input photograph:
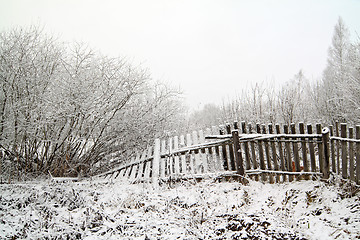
(69, 110)
(335, 97)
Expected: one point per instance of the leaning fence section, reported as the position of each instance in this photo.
(272, 153)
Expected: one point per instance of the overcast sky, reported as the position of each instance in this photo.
(211, 48)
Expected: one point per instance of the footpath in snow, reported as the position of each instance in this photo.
(96, 209)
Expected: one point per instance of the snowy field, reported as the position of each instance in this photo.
(117, 210)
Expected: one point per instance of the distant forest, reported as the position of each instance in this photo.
(68, 110)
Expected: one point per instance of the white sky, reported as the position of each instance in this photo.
(211, 48)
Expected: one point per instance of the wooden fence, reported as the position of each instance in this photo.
(270, 152)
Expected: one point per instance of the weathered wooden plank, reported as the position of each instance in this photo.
(288, 154)
(320, 149)
(141, 169)
(238, 156)
(155, 168)
(281, 152)
(246, 148)
(351, 155)
(189, 157)
(219, 161)
(231, 150)
(170, 158)
(304, 151)
(182, 156)
(357, 155)
(204, 153)
(344, 160)
(261, 153)
(134, 169)
(253, 152)
(337, 134)
(273, 151)
(325, 140)
(147, 172)
(223, 152)
(267, 152)
(176, 157)
(295, 151)
(163, 160)
(332, 149)
(197, 163)
(311, 150)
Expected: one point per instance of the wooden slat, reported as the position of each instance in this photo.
(337, 147)
(344, 162)
(326, 146)
(134, 169)
(281, 152)
(197, 162)
(273, 151)
(218, 158)
(190, 157)
(147, 172)
(332, 149)
(261, 153)
(246, 148)
(295, 151)
(267, 152)
(169, 160)
(204, 152)
(253, 152)
(140, 174)
(163, 159)
(223, 152)
(230, 150)
(304, 151)
(320, 149)
(155, 163)
(176, 157)
(351, 155)
(357, 155)
(288, 155)
(311, 150)
(182, 156)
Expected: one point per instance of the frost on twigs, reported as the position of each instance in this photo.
(206, 210)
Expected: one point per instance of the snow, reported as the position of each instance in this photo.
(116, 209)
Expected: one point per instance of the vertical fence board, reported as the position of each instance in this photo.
(219, 162)
(311, 149)
(197, 163)
(304, 151)
(273, 150)
(163, 159)
(253, 152)
(140, 174)
(231, 150)
(344, 163)
(261, 153)
(281, 151)
(325, 140)
(148, 164)
(155, 168)
(223, 152)
(332, 149)
(183, 156)
(169, 159)
(337, 134)
(134, 169)
(246, 147)
(296, 151)
(176, 157)
(351, 154)
(204, 152)
(189, 156)
(358, 155)
(320, 149)
(238, 155)
(267, 152)
(288, 154)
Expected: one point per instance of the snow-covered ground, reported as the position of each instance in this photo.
(96, 209)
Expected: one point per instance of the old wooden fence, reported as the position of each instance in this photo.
(270, 152)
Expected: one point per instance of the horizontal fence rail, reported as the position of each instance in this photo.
(270, 152)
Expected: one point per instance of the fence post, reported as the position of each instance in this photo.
(237, 153)
(155, 163)
(358, 155)
(326, 147)
(344, 153)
